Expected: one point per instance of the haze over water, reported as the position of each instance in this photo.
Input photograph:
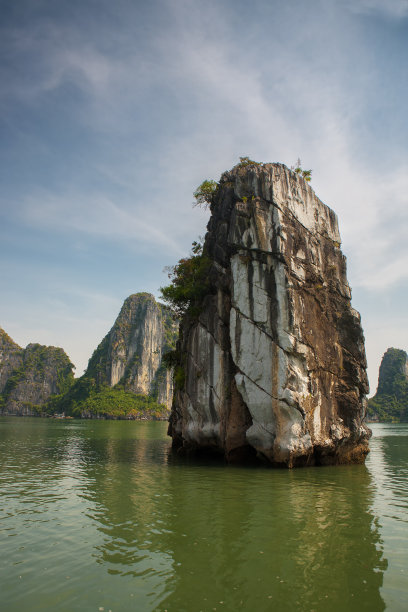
(99, 515)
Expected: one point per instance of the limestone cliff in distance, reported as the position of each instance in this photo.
(271, 363)
(11, 358)
(390, 403)
(125, 377)
(30, 377)
(131, 353)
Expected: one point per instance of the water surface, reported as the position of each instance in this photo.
(99, 515)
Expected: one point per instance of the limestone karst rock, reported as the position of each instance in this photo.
(274, 365)
(30, 376)
(131, 353)
(390, 403)
(125, 377)
(11, 358)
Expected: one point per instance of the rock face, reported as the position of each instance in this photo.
(274, 366)
(30, 376)
(390, 403)
(131, 353)
(11, 358)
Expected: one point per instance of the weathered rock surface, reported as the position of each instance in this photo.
(131, 353)
(30, 376)
(275, 364)
(11, 358)
(390, 403)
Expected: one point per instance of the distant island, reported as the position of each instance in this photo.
(125, 378)
(390, 403)
(30, 377)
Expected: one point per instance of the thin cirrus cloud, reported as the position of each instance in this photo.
(96, 215)
(209, 70)
(397, 9)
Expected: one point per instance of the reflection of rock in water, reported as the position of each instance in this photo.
(126, 485)
(395, 449)
(260, 541)
(191, 536)
(389, 463)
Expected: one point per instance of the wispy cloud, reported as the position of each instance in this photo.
(210, 75)
(391, 8)
(95, 215)
(373, 209)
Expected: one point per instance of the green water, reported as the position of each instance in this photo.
(98, 515)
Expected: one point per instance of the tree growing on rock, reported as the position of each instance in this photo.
(307, 174)
(204, 193)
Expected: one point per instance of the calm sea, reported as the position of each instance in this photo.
(98, 516)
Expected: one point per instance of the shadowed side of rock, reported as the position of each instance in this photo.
(11, 358)
(275, 362)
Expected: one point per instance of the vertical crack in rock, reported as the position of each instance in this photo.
(275, 362)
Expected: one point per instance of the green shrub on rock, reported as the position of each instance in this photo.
(189, 282)
(204, 193)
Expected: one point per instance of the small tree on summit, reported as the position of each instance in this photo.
(307, 174)
(246, 161)
(204, 193)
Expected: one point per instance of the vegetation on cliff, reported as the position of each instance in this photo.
(6, 341)
(307, 174)
(86, 399)
(189, 282)
(390, 403)
(208, 190)
(111, 387)
(41, 373)
(36, 360)
(205, 192)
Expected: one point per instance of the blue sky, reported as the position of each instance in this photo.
(111, 113)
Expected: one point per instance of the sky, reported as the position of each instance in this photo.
(112, 113)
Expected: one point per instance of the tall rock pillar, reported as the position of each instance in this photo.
(274, 365)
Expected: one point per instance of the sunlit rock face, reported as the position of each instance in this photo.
(275, 365)
(131, 353)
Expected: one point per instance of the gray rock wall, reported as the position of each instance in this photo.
(132, 351)
(275, 364)
(11, 358)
